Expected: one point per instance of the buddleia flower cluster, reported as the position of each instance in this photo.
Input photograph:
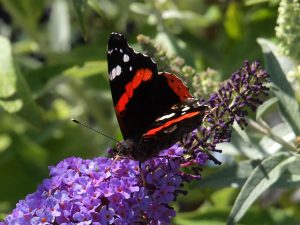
(288, 29)
(119, 191)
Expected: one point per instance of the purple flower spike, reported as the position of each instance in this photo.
(103, 191)
(230, 103)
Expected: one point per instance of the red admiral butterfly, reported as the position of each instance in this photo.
(154, 109)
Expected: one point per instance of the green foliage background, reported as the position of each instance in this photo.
(53, 68)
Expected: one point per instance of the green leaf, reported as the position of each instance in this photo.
(172, 45)
(80, 9)
(254, 2)
(5, 142)
(234, 175)
(88, 69)
(25, 163)
(262, 177)
(59, 27)
(8, 79)
(95, 5)
(141, 8)
(277, 67)
(183, 221)
(26, 13)
(11, 106)
(30, 9)
(242, 133)
(258, 150)
(265, 106)
(191, 19)
(291, 177)
(233, 21)
(169, 43)
(105, 8)
(7, 70)
(282, 130)
(15, 95)
(205, 216)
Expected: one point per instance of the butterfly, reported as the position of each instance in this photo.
(154, 109)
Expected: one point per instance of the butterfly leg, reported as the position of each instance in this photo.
(142, 174)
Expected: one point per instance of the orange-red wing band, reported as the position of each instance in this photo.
(177, 86)
(140, 76)
(171, 122)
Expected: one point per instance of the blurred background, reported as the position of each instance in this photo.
(53, 68)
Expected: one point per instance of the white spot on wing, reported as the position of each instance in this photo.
(125, 58)
(115, 72)
(118, 70)
(130, 68)
(185, 109)
(112, 74)
(121, 50)
(166, 117)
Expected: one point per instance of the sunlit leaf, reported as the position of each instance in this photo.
(59, 30)
(277, 67)
(262, 177)
(140, 8)
(254, 2)
(172, 45)
(233, 20)
(265, 106)
(291, 177)
(95, 5)
(11, 106)
(8, 79)
(25, 47)
(80, 10)
(5, 142)
(7, 70)
(88, 69)
(281, 130)
(104, 8)
(231, 176)
(242, 133)
(15, 95)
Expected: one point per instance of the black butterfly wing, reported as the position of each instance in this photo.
(140, 94)
(169, 128)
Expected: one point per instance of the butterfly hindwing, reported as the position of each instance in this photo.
(169, 128)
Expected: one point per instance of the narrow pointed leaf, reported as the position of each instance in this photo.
(7, 70)
(265, 106)
(80, 9)
(277, 66)
(262, 177)
(15, 95)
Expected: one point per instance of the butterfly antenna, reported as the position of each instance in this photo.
(97, 131)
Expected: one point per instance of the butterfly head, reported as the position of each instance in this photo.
(124, 148)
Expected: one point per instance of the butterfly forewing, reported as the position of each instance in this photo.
(140, 94)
